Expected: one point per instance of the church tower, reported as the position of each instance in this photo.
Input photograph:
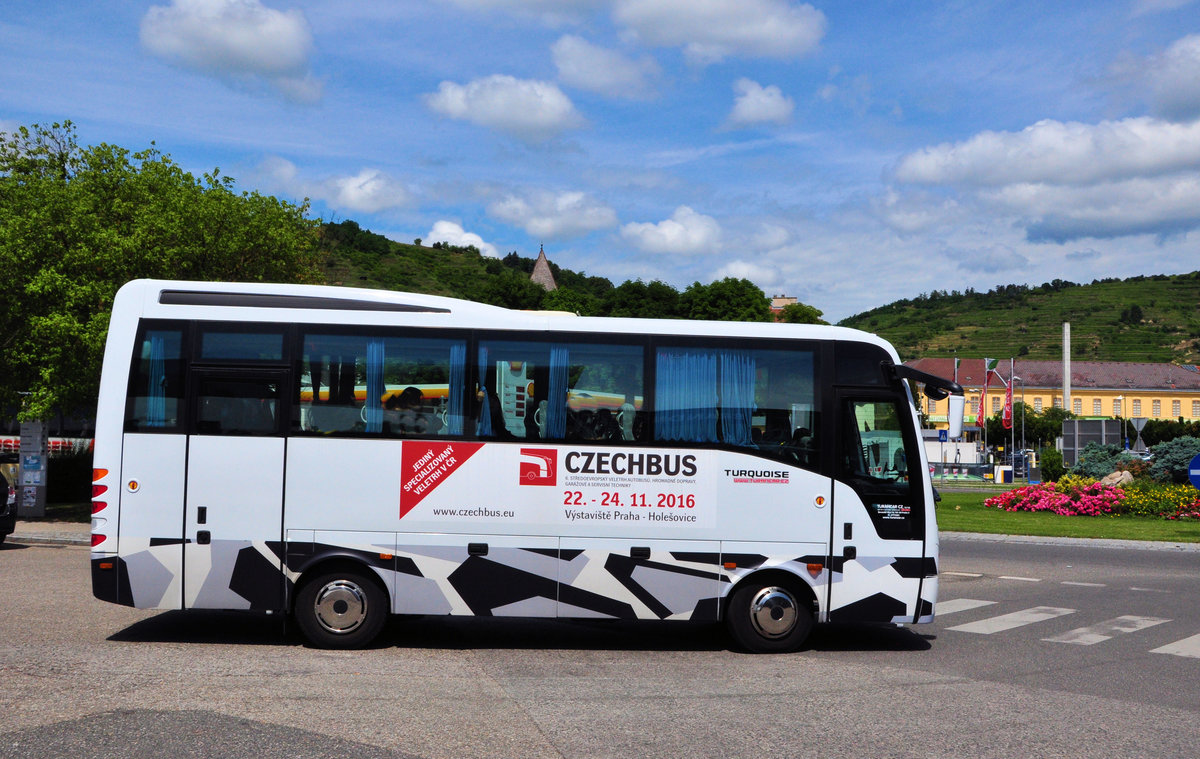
(541, 271)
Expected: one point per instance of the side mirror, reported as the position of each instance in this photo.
(955, 415)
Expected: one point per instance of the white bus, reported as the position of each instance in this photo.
(341, 455)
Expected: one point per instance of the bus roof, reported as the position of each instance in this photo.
(170, 299)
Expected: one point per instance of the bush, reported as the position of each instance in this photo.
(1052, 464)
(1097, 460)
(1171, 459)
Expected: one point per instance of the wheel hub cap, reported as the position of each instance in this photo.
(773, 612)
(341, 606)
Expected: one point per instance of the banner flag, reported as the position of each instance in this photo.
(1007, 418)
(989, 366)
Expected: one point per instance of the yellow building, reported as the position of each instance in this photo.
(1099, 389)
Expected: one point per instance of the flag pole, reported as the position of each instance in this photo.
(1012, 428)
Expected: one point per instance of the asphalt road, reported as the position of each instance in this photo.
(1105, 664)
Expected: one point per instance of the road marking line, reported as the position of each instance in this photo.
(1098, 633)
(1189, 647)
(1020, 579)
(1085, 584)
(1150, 590)
(1010, 621)
(958, 604)
(962, 574)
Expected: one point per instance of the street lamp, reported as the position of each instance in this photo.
(1024, 456)
(1124, 434)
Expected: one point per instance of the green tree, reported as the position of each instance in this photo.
(635, 298)
(78, 222)
(729, 299)
(565, 299)
(512, 289)
(801, 313)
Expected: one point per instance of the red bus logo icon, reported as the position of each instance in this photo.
(538, 466)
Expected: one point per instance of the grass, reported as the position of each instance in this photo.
(965, 512)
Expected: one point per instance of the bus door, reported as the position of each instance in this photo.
(233, 514)
(877, 551)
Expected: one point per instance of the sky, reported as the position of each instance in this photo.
(847, 154)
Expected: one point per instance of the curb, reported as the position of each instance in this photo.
(54, 540)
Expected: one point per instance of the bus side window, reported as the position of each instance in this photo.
(763, 400)
(875, 462)
(382, 385)
(156, 383)
(237, 406)
(560, 391)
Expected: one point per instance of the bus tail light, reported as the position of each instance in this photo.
(98, 490)
(98, 539)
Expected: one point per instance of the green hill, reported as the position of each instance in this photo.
(356, 257)
(1154, 318)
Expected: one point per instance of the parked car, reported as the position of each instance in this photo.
(8, 494)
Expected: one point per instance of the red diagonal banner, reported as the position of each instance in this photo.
(425, 465)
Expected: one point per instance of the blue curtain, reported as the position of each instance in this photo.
(458, 381)
(737, 397)
(483, 427)
(156, 393)
(556, 405)
(374, 402)
(686, 397)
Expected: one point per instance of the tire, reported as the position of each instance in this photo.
(768, 617)
(341, 609)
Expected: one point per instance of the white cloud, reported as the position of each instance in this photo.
(1158, 206)
(453, 233)
(525, 108)
(607, 72)
(770, 236)
(1174, 79)
(686, 232)
(368, 191)
(766, 277)
(1060, 153)
(712, 30)
(912, 212)
(755, 104)
(1071, 181)
(549, 216)
(238, 41)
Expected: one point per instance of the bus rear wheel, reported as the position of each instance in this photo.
(341, 609)
(768, 617)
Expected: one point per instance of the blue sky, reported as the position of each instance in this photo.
(848, 154)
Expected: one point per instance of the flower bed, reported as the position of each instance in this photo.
(1074, 495)
(1069, 501)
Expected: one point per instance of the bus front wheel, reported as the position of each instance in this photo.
(341, 609)
(768, 617)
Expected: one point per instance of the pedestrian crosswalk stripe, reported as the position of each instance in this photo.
(1013, 620)
(1189, 647)
(1098, 633)
(959, 604)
